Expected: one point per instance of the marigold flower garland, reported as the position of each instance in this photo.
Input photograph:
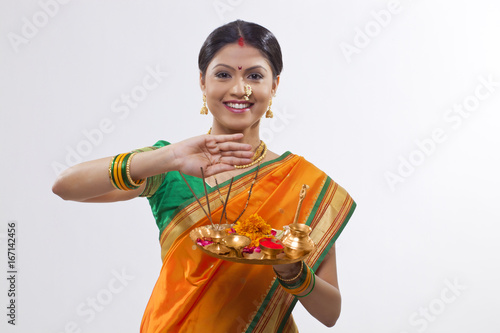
(254, 227)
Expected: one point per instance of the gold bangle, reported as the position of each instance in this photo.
(295, 277)
(129, 177)
(303, 286)
(110, 173)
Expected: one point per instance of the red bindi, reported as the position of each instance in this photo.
(241, 42)
(239, 67)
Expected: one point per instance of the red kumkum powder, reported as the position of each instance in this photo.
(271, 243)
(241, 42)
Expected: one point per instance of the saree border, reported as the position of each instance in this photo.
(318, 212)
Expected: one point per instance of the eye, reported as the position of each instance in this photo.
(222, 75)
(255, 76)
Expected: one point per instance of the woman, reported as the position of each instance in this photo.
(240, 64)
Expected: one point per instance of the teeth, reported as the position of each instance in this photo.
(238, 105)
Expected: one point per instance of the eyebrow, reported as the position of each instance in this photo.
(248, 69)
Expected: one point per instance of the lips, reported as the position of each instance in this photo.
(238, 106)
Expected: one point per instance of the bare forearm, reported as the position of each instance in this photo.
(152, 163)
(323, 303)
(89, 180)
(83, 181)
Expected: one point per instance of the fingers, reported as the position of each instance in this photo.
(228, 142)
(217, 168)
(233, 146)
(225, 163)
(232, 160)
(241, 154)
(228, 148)
(227, 137)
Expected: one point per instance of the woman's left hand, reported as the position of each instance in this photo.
(287, 271)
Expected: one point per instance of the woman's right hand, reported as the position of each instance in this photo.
(213, 153)
(89, 181)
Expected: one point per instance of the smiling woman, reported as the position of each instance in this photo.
(239, 64)
(224, 85)
(238, 55)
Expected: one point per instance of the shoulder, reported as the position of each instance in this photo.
(271, 156)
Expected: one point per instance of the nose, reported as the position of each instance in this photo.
(238, 89)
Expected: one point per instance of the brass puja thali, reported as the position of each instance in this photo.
(252, 241)
(285, 247)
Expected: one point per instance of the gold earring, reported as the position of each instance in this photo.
(204, 109)
(269, 113)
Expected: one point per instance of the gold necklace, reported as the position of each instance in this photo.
(261, 150)
(259, 155)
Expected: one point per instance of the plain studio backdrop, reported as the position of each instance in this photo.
(396, 100)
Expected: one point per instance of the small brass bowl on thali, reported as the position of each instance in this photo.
(201, 232)
(236, 242)
(207, 231)
(214, 234)
(217, 234)
(270, 247)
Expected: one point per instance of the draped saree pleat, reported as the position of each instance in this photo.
(198, 293)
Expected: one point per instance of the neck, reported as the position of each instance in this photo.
(250, 135)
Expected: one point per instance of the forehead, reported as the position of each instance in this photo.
(235, 55)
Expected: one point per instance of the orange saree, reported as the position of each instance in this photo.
(198, 293)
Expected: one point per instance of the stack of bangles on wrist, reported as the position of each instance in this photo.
(119, 173)
(120, 178)
(299, 283)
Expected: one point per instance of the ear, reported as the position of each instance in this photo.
(276, 83)
(202, 83)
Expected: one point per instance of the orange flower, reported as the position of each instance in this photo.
(253, 227)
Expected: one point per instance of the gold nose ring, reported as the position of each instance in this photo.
(248, 92)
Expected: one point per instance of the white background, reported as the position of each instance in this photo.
(355, 116)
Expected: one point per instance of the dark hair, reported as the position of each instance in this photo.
(253, 35)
